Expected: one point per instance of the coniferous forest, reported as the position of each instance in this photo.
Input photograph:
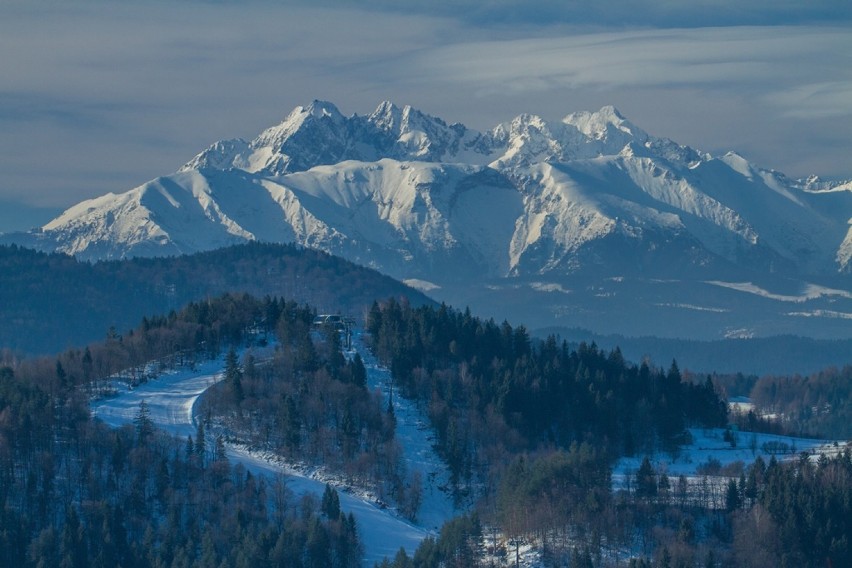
(426, 284)
(492, 392)
(528, 429)
(533, 427)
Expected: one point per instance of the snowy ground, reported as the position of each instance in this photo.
(171, 400)
(416, 438)
(709, 444)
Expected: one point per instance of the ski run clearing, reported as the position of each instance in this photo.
(171, 399)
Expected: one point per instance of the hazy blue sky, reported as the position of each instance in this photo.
(99, 96)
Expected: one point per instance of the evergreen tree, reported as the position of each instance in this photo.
(330, 503)
(200, 443)
(733, 499)
(234, 376)
(189, 448)
(72, 550)
(143, 422)
(646, 480)
(318, 546)
(221, 453)
(87, 365)
(291, 423)
(359, 372)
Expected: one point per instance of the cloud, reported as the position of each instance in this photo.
(608, 13)
(827, 99)
(738, 58)
(101, 96)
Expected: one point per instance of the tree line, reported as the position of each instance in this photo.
(819, 404)
(794, 513)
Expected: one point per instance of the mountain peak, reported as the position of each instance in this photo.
(399, 120)
(277, 135)
(600, 124)
(320, 109)
(612, 111)
(387, 116)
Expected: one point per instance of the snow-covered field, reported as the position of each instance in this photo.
(171, 400)
(709, 445)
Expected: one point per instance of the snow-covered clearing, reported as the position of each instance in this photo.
(171, 400)
(416, 437)
(423, 285)
(708, 445)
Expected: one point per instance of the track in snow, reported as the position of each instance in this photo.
(171, 400)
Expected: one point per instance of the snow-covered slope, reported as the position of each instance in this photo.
(171, 401)
(404, 192)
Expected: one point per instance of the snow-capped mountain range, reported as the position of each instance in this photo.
(531, 203)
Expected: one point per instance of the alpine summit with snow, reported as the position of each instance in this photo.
(588, 222)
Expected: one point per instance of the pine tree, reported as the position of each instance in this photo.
(732, 497)
(234, 376)
(330, 503)
(200, 442)
(359, 372)
(318, 545)
(87, 364)
(221, 454)
(291, 423)
(143, 422)
(646, 480)
(72, 547)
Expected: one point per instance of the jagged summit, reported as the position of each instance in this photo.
(529, 200)
(318, 134)
(301, 118)
(319, 109)
(597, 125)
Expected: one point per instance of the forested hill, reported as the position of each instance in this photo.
(491, 393)
(49, 302)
